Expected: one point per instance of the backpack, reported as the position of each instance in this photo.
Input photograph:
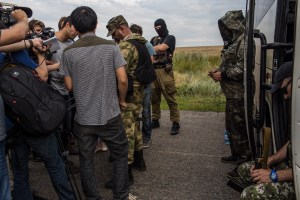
(144, 72)
(29, 102)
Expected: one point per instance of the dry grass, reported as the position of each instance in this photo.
(204, 50)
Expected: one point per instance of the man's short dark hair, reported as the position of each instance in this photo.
(136, 29)
(60, 22)
(84, 19)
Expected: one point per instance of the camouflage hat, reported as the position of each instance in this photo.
(115, 23)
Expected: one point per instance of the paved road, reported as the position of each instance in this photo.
(182, 167)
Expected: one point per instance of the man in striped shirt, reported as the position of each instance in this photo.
(94, 70)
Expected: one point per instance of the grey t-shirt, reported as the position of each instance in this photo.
(57, 77)
(92, 62)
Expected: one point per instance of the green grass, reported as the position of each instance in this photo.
(195, 90)
(198, 103)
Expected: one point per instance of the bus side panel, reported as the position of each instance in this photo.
(296, 107)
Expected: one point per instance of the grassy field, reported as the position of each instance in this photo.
(195, 90)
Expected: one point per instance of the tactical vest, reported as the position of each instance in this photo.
(161, 59)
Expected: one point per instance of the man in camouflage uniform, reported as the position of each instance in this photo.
(119, 30)
(230, 75)
(164, 46)
(275, 182)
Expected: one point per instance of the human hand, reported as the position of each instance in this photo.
(216, 76)
(19, 15)
(123, 105)
(210, 73)
(37, 43)
(261, 175)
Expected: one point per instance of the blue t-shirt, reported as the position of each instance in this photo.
(20, 57)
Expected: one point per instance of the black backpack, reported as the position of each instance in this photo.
(29, 102)
(144, 72)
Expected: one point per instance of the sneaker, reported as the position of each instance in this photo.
(101, 146)
(175, 128)
(155, 124)
(229, 159)
(146, 143)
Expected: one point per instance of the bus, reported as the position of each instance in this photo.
(272, 37)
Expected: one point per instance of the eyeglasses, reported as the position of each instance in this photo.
(284, 90)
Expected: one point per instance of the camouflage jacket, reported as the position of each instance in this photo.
(131, 55)
(232, 56)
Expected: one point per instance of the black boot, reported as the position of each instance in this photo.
(175, 128)
(139, 162)
(130, 175)
(155, 123)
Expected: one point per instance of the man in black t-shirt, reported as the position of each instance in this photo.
(164, 46)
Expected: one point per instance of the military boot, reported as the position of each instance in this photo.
(175, 128)
(155, 123)
(139, 162)
(130, 175)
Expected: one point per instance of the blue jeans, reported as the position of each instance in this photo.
(114, 136)
(4, 179)
(147, 129)
(47, 149)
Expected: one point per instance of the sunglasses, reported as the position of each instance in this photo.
(284, 90)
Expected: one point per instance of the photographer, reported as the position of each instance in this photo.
(46, 147)
(16, 33)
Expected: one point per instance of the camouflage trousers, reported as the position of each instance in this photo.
(265, 191)
(131, 124)
(164, 84)
(236, 127)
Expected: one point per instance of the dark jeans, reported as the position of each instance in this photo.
(147, 129)
(114, 136)
(67, 125)
(47, 149)
(4, 179)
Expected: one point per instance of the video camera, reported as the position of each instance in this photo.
(5, 16)
(44, 35)
(5, 13)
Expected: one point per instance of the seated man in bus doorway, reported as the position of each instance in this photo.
(275, 182)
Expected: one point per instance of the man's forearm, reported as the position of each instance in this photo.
(122, 87)
(15, 33)
(285, 175)
(24, 44)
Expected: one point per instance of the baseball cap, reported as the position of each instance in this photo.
(286, 70)
(115, 23)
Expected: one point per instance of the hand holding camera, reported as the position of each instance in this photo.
(19, 15)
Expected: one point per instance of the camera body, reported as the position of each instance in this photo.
(5, 15)
(46, 33)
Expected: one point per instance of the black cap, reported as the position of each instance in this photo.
(285, 71)
(27, 10)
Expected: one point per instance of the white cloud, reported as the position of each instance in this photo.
(193, 22)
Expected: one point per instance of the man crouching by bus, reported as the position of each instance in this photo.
(275, 182)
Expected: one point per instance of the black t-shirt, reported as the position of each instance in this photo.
(168, 40)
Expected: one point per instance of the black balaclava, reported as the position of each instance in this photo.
(163, 31)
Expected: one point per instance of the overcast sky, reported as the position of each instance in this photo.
(192, 22)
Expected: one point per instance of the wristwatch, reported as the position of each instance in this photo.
(274, 176)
